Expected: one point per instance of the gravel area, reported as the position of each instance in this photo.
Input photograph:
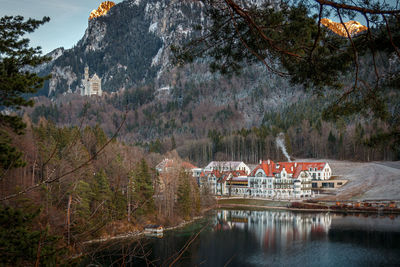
(367, 180)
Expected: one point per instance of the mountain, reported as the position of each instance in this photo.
(126, 46)
(353, 27)
(207, 114)
(129, 47)
(102, 10)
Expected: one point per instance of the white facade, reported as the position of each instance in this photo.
(282, 185)
(320, 174)
(91, 86)
(224, 166)
(282, 180)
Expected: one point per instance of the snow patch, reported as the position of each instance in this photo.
(157, 58)
(120, 66)
(58, 74)
(153, 27)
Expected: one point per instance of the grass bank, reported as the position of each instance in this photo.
(251, 202)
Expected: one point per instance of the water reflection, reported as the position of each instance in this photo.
(275, 228)
(270, 238)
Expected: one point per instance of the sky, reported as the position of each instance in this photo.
(68, 19)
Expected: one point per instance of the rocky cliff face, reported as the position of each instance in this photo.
(126, 46)
(102, 10)
(353, 27)
(131, 46)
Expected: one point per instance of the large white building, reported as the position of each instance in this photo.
(91, 86)
(282, 180)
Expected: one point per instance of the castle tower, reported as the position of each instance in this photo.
(91, 86)
(86, 73)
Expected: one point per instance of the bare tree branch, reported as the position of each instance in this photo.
(48, 180)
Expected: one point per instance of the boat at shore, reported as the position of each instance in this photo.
(154, 230)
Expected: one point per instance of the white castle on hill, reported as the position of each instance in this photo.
(91, 86)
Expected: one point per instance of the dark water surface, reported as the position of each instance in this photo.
(267, 238)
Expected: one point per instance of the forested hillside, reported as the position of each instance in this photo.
(206, 117)
(203, 115)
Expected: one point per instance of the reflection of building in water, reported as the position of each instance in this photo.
(273, 227)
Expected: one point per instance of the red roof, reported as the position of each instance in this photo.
(167, 163)
(270, 167)
(188, 165)
(266, 166)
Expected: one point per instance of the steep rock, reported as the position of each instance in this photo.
(127, 46)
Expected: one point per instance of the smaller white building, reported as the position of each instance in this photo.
(91, 86)
(226, 166)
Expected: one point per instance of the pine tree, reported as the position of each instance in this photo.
(173, 144)
(184, 195)
(332, 144)
(16, 81)
(143, 189)
(102, 192)
(19, 240)
(102, 187)
(196, 198)
(84, 195)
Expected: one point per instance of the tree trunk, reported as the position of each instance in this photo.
(69, 219)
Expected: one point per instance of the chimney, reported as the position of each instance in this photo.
(292, 168)
(295, 164)
(260, 161)
(268, 162)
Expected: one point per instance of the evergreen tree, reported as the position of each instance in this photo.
(19, 241)
(332, 144)
(16, 81)
(102, 187)
(196, 198)
(143, 189)
(184, 195)
(84, 196)
(102, 193)
(173, 144)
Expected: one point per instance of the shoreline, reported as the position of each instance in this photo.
(137, 234)
(221, 206)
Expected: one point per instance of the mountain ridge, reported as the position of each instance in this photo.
(127, 46)
(352, 26)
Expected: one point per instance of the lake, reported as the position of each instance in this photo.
(266, 238)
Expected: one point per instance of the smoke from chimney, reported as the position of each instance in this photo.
(280, 143)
